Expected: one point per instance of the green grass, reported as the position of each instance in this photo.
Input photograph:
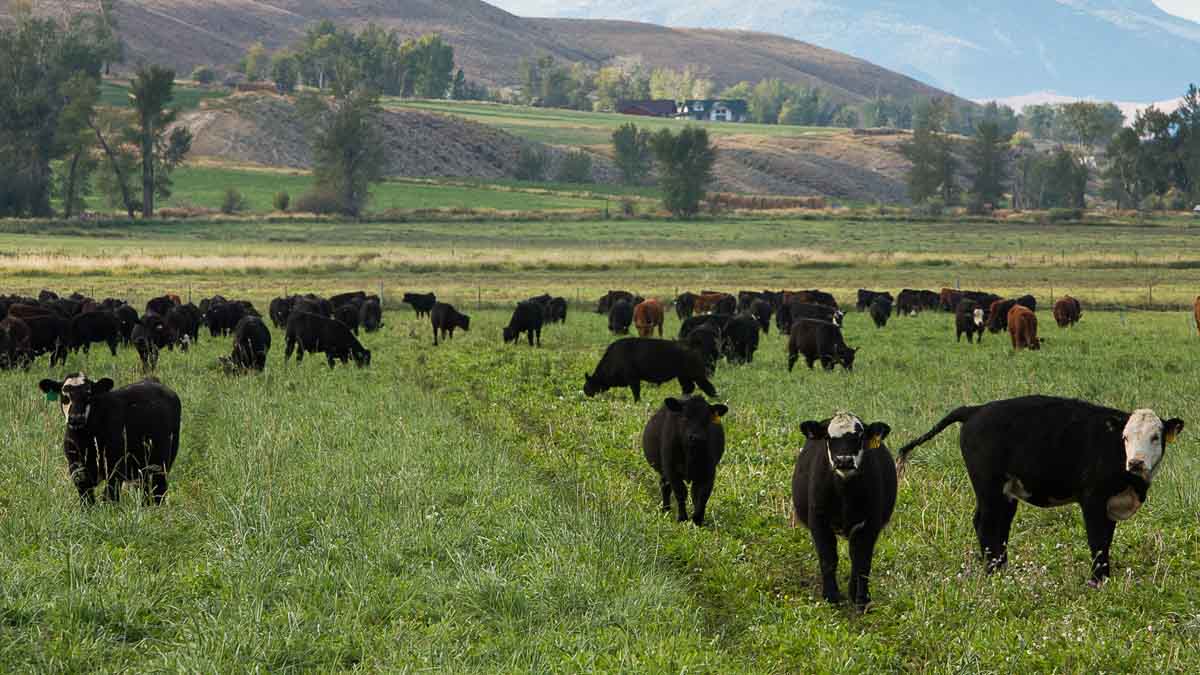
(116, 94)
(570, 127)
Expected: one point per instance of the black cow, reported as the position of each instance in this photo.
(630, 361)
(16, 344)
(312, 304)
(48, 334)
(279, 310)
(251, 342)
(819, 340)
(526, 318)
(161, 305)
(445, 319)
(762, 310)
(158, 331)
(684, 442)
(685, 305)
(717, 321)
(347, 313)
(706, 340)
(352, 298)
(223, 318)
(620, 316)
(94, 327)
(313, 333)
(1028, 301)
(908, 302)
(556, 310)
(741, 339)
(185, 321)
(1049, 451)
(422, 303)
(998, 315)
(844, 485)
(128, 317)
(968, 318)
(793, 311)
(370, 314)
(867, 298)
(116, 436)
(610, 298)
(881, 311)
(145, 345)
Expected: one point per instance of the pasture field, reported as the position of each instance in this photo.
(574, 127)
(115, 93)
(467, 509)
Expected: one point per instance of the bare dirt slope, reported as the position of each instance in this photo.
(488, 42)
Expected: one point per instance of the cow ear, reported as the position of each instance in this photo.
(719, 410)
(104, 386)
(1116, 423)
(674, 405)
(875, 434)
(50, 386)
(1172, 428)
(815, 431)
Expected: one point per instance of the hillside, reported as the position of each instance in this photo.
(488, 41)
(1109, 49)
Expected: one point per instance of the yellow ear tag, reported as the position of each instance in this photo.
(716, 419)
(874, 443)
(1171, 436)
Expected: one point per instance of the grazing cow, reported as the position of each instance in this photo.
(116, 436)
(620, 316)
(312, 304)
(48, 334)
(811, 296)
(706, 340)
(16, 344)
(127, 317)
(222, 318)
(968, 318)
(23, 311)
(347, 313)
(604, 305)
(844, 485)
(1028, 301)
(867, 298)
(279, 310)
(185, 321)
(352, 298)
(819, 340)
(685, 305)
(881, 310)
(161, 305)
(422, 303)
(526, 318)
(647, 316)
(1022, 327)
(715, 303)
(1067, 312)
(741, 339)
(207, 303)
(145, 345)
(761, 310)
(630, 361)
(948, 299)
(997, 316)
(793, 311)
(1049, 451)
(94, 327)
(908, 302)
(313, 333)
(47, 296)
(684, 442)
(251, 342)
(445, 318)
(370, 314)
(556, 310)
(981, 298)
(717, 321)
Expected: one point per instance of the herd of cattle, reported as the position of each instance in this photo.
(1043, 451)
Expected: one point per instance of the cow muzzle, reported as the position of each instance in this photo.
(77, 422)
(1138, 467)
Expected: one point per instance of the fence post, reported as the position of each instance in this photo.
(478, 297)
(381, 292)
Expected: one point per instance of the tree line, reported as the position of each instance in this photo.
(56, 141)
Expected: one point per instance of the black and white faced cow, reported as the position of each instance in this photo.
(1049, 451)
(116, 436)
(844, 485)
(684, 442)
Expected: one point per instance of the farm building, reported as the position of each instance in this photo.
(714, 110)
(650, 108)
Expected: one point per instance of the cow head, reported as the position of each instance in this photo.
(846, 439)
(510, 334)
(697, 416)
(464, 322)
(1145, 438)
(362, 356)
(978, 317)
(846, 356)
(75, 395)
(591, 385)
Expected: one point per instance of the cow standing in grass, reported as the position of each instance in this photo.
(684, 442)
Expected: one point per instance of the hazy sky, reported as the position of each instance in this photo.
(1188, 9)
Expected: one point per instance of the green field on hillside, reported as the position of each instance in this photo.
(466, 509)
(187, 97)
(571, 127)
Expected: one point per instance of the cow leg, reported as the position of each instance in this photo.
(707, 387)
(539, 337)
(701, 491)
(435, 336)
(687, 385)
(84, 483)
(155, 481)
(665, 486)
(680, 489)
(112, 346)
(810, 362)
(792, 358)
(529, 336)
(862, 550)
(993, 520)
(287, 352)
(636, 388)
(825, 541)
(1100, 529)
(331, 359)
(112, 489)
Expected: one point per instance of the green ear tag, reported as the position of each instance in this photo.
(52, 395)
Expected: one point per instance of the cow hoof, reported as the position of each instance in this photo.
(835, 598)
(1096, 583)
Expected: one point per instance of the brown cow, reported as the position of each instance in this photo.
(647, 316)
(1022, 327)
(714, 302)
(948, 299)
(1067, 312)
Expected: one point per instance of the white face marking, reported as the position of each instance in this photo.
(1143, 438)
(978, 317)
(844, 424)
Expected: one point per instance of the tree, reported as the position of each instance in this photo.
(75, 137)
(930, 152)
(432, 66)
(685, 164)
(1090, 124)
(459, 90)
(151, 91)
(255, 63)
(347, 145)
(285, 71)
(1039, 120)
(987, 157)
(1122, 183)
(632, 153)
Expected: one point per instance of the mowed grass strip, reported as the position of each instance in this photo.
(325, 521)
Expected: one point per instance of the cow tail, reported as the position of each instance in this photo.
(958, 415)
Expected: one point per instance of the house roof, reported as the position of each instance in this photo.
(655, 107)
